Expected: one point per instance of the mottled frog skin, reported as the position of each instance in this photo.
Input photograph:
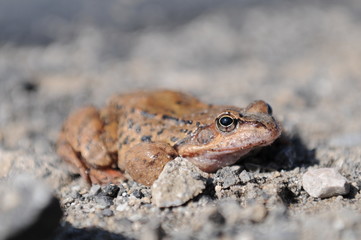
(138, 133)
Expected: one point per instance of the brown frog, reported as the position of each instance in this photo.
(140, 132)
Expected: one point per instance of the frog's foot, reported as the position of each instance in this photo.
(105, 176)
(145, 161)
(87, 141)
(66, 152)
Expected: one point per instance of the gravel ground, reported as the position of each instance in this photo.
(303, 57)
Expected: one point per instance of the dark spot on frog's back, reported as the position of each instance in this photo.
(147, 114)
(187, 121)
(130, 123)
(160, 131)
(138, 129)
(174, 139)
(167, 117)
(181, 121)
(120, 145)
(146, 138)
(126, 140)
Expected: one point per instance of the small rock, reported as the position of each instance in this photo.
(103, 201)
(122, 207)
(179, 182)
(325, 182)
(227, 176)
(107, 212)
(111, 190)
(68, 200)
(95, 190)
(138, 194)
(74, 195)
(27, 209)
(245, 177)
(217, 218)
(122, 191)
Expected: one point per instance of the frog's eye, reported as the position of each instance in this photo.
(226, 123)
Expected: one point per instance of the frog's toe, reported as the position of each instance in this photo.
(105, 176)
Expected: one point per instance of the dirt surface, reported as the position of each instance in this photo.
(303, 57)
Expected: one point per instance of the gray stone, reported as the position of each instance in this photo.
(103, 202)
(95, 189)
(107, 212)
(179, 182)
(227, 176)
(111, 190)
(27, 209)
(138, 194)
(325, 182)
(245, 177)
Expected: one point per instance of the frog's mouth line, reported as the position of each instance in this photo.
(240, 149)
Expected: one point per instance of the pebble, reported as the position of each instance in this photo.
(324, 182)
(138, 194)
(95, 190)
(103, 201)
(179, 182)
(68, 200)
(245, 177)
(122, 207)
(107, 212)
(228, 176)
(111, 190)
(121, 190)
(28, 210)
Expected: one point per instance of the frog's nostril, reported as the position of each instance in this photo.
(269, 109)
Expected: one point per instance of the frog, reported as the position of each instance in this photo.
(136, 134)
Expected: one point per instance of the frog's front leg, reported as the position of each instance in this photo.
(145, 161)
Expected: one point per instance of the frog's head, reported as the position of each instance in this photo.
(232, 133)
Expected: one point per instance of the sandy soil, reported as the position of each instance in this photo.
(302, 57)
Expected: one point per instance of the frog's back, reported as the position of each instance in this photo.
(164, 102)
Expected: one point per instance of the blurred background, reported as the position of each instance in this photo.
(303, 57)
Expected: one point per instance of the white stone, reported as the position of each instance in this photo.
(122, 207)
(325, 182)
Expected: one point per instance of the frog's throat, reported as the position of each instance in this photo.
(212, 161)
